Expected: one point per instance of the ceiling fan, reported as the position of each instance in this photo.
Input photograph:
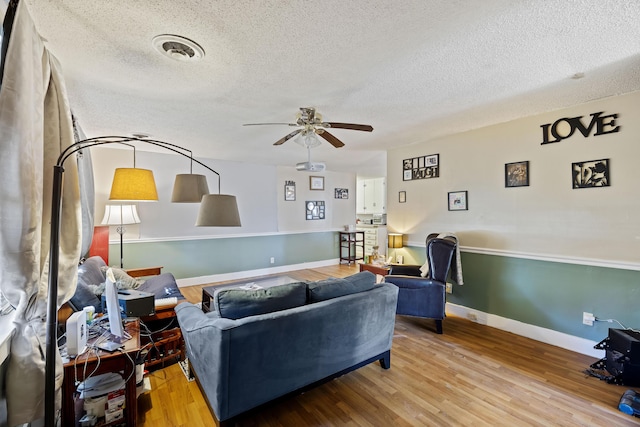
(310, 124)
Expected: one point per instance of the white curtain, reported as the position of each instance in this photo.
(87, 190)
(35, 124)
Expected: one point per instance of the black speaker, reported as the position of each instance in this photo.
(626, 342)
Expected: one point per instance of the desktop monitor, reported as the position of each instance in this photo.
(113, 308)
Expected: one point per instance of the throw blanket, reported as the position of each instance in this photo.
(456, 263)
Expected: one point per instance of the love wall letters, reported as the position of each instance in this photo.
(565, 127)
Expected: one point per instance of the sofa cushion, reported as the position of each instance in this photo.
(90, 271)
(236, 303)
(123, 280)
(336, 287)
(84, 297)
(89, 276)
(162, 286)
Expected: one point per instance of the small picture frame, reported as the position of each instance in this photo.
(591, 173)
(458, 201)
(341, 193)
(289, 191)
(316, 183)
(516, 174)
(402, 197)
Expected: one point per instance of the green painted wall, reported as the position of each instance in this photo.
(551, 295)
(203, 257)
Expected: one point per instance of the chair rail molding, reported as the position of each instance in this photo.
(563, 259)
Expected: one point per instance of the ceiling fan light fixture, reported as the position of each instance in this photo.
(307, 139)
(178, 47)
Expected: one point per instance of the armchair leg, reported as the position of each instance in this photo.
(439, 326)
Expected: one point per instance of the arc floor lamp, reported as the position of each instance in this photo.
(130, 184)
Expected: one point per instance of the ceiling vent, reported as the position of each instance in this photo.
(178, 47)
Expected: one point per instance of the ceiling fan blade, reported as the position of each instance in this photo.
(261, 124)
(352, 126)
(287, 137)
(332, 139)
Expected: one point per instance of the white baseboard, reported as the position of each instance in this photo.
(548, 336)
(202, 280)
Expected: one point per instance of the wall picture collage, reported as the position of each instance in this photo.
(584, 174)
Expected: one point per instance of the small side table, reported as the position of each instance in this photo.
(98, 362)
(381, 270)
(144, 271)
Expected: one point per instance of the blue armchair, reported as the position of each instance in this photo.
(424, 296)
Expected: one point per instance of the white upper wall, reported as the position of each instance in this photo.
(252, 184)
(547, 217)
(339, 212)
(259, 190)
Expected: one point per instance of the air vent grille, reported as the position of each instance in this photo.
(178, 47)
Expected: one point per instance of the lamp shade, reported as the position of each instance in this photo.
(395, 240)
(120, 215)
(189, 188)
(218, 210)
(133, 184)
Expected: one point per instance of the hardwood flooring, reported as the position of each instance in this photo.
(471, 375)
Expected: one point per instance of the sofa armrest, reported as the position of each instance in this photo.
(207, 352)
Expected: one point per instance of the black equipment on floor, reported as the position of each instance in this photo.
(622, 358)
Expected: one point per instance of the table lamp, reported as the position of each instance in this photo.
(120, 215)
(395, 242)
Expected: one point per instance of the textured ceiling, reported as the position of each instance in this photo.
(413, 69)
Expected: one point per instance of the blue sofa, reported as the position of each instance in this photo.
(258, 345)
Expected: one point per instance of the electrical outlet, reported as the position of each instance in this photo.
(449, 288)
(588, 318)
(272, 260)
(472, 317)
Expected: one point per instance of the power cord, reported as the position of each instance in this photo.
(133, 364)
(616, 321)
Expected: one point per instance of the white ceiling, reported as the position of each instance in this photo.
(413, 69)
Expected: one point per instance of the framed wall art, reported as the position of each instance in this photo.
(315, 210)
(341, 193)
(422, 167)
(516, 174)
(458, 201)
(316, 182)
(289, 191)
(591, 173)
(402, 197)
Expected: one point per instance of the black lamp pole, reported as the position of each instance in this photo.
(52, 303)
(120, 231)
(54, 256)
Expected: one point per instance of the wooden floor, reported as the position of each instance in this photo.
(471, 375)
